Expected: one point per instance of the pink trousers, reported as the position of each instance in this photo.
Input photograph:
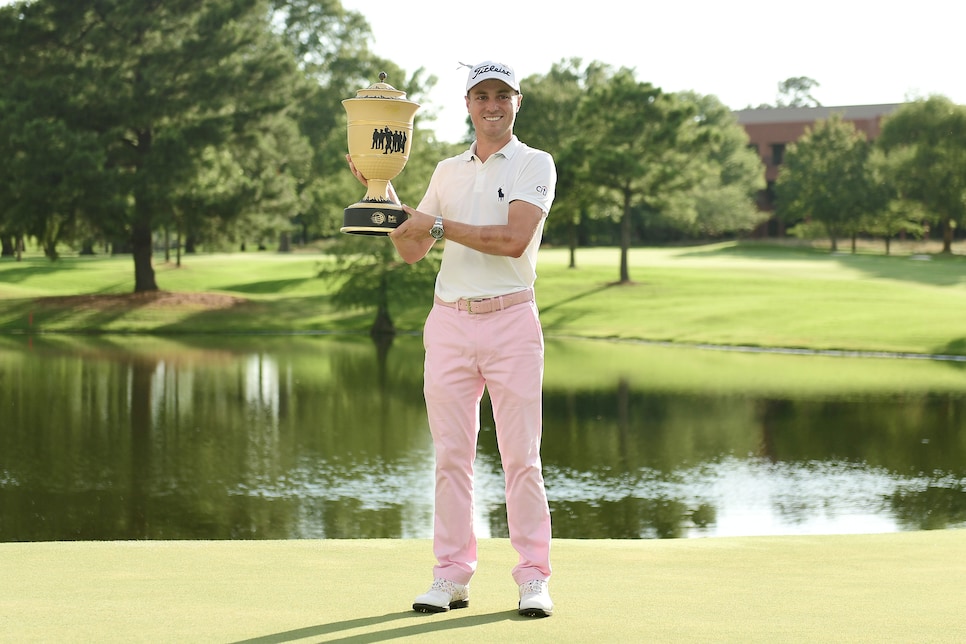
(502, 352)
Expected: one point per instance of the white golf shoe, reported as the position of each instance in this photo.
(535, 599)
(442, 596)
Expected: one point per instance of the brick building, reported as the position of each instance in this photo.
(770, 130)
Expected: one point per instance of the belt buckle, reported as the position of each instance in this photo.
(469, 306)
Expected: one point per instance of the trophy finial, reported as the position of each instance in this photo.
(383, 76)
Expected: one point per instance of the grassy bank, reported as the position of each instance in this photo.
(733, 294)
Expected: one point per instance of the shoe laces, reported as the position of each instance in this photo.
(533, 587)
(447, 586)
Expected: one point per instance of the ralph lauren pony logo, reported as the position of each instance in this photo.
(499, 194)
(388, 141)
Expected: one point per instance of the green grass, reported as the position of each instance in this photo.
(856, 588)
(747, 294)
(903, 587)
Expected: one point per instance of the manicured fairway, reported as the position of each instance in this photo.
(904, 587)
(725, 294)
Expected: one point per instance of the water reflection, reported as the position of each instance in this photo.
(321, 437)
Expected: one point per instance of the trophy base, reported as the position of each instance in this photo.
(372, 218)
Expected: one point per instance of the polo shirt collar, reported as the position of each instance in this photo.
(506, 151)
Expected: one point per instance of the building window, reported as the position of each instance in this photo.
(777, 153)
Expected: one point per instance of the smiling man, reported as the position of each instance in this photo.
(483, 333)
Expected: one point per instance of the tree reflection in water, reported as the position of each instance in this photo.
(324, 437)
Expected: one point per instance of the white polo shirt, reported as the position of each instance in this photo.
(465, 189)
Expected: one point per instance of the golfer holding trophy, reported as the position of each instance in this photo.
(488, 205)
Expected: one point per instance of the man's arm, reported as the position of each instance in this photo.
(510, 239)
(411, 248)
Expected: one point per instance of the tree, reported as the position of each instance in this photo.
(154, 89)
(331, 47)
(925, 142)
(826, 178)
(550, 121)
(797, 92)
(368, 273)
(723, 200)
(51, 171)
(639, 146)
(897, 216)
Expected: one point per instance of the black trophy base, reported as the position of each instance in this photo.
(372, 218)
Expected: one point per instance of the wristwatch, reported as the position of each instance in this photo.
(437, 230)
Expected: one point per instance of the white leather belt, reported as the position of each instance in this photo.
(488, 304)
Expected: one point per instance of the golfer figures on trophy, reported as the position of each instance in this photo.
(380, 137)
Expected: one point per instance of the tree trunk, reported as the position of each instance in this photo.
(142, 242)
(625, 239)
(573, 244)
(142, 247)
(947, 236)
(50, 250)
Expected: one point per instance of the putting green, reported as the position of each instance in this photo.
(906, 586)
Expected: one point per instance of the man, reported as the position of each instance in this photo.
(489, 204)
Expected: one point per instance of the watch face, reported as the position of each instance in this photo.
(437, 230)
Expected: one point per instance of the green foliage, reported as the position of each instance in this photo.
(221, 123)
(899, 216)
(674, 158)
(826, 178)
(723, 197)
(367, 273)
(219, 120)
(797, 92)
(925, 145)
(153, 89)
(549, 120)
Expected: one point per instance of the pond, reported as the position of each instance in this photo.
(287, 437)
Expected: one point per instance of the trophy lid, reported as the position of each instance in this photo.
(381, 89)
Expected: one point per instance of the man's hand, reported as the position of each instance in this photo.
(362, 179)
(415, 228)
(355, 171)
(411, 238)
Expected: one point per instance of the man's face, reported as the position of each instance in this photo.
(493, 107)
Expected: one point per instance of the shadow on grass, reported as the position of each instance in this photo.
(267, 287)
(14, 272)
(934, 269)
(415, 624)
(955, 347)
(757, 251)
(295, 314)
(546, 308)
(81, 313)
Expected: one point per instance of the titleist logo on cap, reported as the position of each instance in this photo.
(496, 69)
(491, 69)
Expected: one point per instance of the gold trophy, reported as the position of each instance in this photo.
(380, 138)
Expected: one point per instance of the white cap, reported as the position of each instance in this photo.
(490, 69)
